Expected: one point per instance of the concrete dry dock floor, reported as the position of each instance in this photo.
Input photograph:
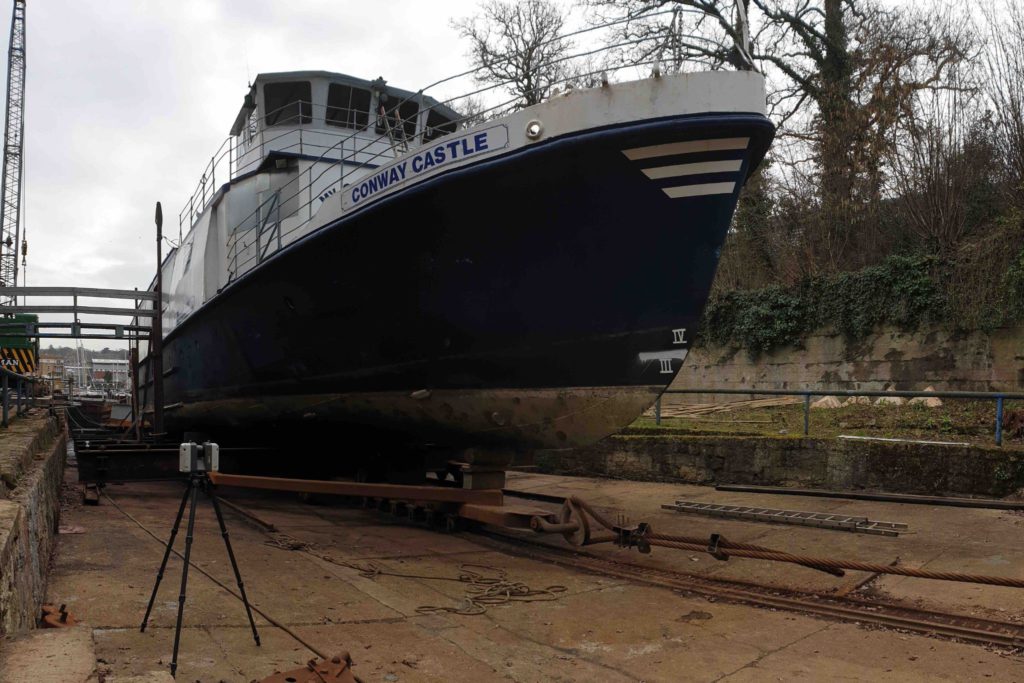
(599, 629)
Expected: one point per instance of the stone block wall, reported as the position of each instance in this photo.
(890, 358)
(32, 454)
(833, 464)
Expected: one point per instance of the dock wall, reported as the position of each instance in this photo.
(889, 358)
(32, 455)
(798, 462)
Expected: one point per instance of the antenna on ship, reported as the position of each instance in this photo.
(14, 130)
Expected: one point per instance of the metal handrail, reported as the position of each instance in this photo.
(273, 210)
(363, 144)
(386, 153)
(998, 396)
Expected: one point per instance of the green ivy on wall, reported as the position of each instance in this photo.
(901, 291)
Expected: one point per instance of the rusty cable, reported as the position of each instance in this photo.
(751, 551)
(721, 544)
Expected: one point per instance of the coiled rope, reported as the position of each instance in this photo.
(486, 586)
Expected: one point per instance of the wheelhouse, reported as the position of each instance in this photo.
(325, 115)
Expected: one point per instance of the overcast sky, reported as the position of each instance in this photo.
(127, 100)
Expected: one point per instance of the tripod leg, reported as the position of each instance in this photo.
(194, 492)
(167, 554)
(234, 564)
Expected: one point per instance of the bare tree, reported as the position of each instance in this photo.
(940, 166)
(842, 73)
(518, 46)
(472, 110)
(1004, 80)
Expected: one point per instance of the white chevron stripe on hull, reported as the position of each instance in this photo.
(699, 190)
(698, 168)
(689, 147)
(689, 171)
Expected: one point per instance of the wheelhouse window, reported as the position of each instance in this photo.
(348, 106)
(288, 103)
(438, 125)
(398, 115)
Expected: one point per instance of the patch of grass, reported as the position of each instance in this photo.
(964, 421)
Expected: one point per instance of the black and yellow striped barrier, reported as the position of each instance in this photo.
(21, 361)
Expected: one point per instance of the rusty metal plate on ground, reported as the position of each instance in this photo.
(57, 617)
(337, 668)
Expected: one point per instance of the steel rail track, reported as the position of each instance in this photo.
(976, 630)
(927, 622)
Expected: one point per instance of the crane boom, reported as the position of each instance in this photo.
(14, 129)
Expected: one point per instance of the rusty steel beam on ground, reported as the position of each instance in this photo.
(508, 516)
(105, 461)
(433, 494)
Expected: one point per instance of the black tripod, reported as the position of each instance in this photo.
(197, 480)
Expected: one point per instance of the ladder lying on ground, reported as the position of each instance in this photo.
(823, 520)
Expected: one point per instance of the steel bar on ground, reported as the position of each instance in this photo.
(882, 497)
(851, 609)
(723, 544)
(504, 515)
(851, 565)
(350, 488)
(822, 563)
(821, 520)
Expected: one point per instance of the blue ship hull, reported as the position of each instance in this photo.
(529, 300)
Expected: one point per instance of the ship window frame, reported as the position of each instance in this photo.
(403, 106)
(252, 126)
(438, 125)
(293, 106)
(348, 112)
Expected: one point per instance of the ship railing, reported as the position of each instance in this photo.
(273, 211)
(259, 239)
(355, 151)
(236, 157)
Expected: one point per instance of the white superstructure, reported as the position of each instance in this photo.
(310, 146)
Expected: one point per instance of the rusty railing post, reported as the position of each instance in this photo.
(807, 414)
(999, 420)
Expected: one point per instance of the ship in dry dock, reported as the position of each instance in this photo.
(362, 256)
